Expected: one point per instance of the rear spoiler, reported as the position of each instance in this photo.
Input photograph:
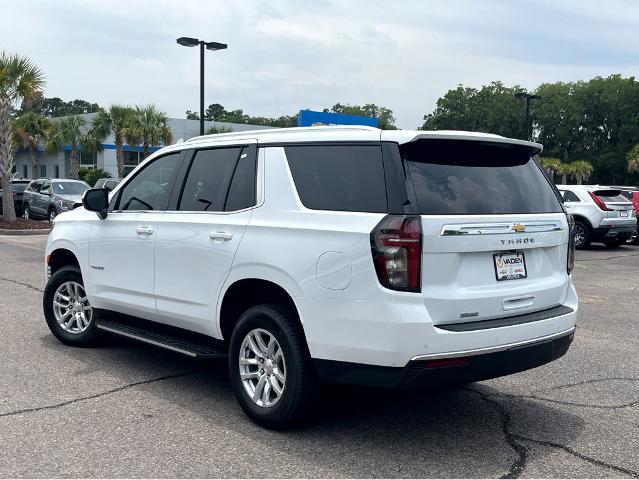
(532, 148)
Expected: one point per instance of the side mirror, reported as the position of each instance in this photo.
(96, 200)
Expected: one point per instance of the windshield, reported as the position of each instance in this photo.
(70, 188)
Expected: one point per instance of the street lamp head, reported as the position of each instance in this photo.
(215, 46)
(188, 41)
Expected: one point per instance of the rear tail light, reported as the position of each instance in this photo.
(396, 243)
(599, 202)
(570, 261)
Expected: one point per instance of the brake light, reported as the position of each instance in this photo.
(570, 261)
(396, 244)
(599, 202)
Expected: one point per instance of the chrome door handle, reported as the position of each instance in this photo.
(144, 231)
(220, 236)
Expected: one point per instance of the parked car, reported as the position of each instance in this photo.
(396, 259)
(47, 197)
(602, 214)
(17, 188)
(108, 183)
(632, 194)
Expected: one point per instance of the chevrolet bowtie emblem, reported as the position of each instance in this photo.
(518, 227)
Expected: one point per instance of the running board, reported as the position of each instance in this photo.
(173, 339)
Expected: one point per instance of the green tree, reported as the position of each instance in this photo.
(115, 120)
(491, 109)
(91, 175)
(56, 107)
(551, 165)
(20, 82)
(565, 170)
(581, 170)
(632, 159)
(72, 131)
(216, 130)
(148, 126)
(557, 118)
(218, 113)
(30, 130)
(386, 119)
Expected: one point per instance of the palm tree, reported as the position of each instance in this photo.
(551, 165)
(20, 82)
(565, 170)
(70, 131)
(30, 130)
(633, 159)
(114, 120)
(148, 127)
(581, 170)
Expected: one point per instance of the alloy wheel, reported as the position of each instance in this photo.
(71, 308)
(262, 367)
(580, 235)
(27, 213)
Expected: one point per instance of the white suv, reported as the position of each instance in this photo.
(324, 254)
(601, 214)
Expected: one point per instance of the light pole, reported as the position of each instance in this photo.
(192, 42)
(528, 98)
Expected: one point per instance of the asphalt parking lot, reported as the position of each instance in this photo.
(128, 410)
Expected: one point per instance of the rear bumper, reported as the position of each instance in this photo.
(609, 232)
(452, 368)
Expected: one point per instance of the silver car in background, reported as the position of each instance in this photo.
(602, 214)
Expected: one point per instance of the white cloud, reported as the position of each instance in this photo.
(287, 55)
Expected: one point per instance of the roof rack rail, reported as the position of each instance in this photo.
(291, 130)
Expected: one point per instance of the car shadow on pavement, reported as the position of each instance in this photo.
(353, 431)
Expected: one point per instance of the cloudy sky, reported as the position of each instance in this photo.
(287, 55)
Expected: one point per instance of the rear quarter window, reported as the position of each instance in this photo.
(339, 177)
(453, 177)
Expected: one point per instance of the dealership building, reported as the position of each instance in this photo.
(58, 164)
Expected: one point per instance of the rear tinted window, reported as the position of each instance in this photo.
(467, 178)
(339, 177)
(610, 196)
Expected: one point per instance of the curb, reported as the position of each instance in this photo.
(39, 231)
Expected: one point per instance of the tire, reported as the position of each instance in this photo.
(26, 214)
(52, 214)
(79, 332)
(583, 238)
(300, 383)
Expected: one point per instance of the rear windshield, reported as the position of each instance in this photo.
(453, 177)
(612, 196)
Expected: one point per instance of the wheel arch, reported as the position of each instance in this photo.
(245, 293)
(583, 219)
(61, 257)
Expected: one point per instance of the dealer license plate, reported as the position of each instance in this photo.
(510, 266)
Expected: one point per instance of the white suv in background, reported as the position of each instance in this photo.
(324, 254)
(602, 214)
